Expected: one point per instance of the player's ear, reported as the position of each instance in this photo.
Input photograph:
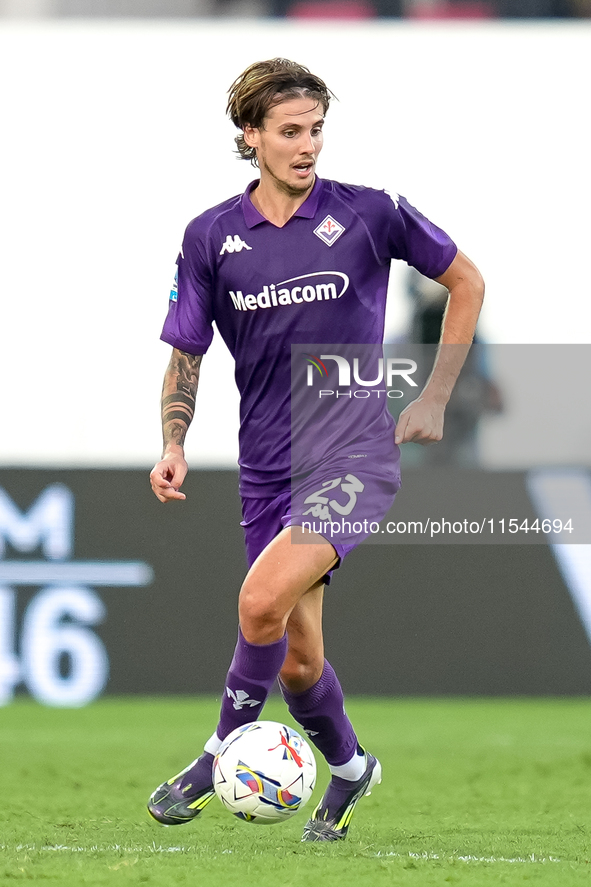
(251, 136)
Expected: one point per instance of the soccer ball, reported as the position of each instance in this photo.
(264, 772)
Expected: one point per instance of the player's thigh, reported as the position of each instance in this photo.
(290, 565)
(343, 507)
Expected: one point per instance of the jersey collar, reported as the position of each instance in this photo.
(307, 210)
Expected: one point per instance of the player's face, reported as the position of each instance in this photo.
(289, 144)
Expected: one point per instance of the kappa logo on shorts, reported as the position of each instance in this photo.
(329, 230)
(234, 244)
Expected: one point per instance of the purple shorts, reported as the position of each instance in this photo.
(343, 502)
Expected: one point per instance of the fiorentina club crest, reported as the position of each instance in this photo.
(329, 230)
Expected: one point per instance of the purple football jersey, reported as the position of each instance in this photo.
(322, 277)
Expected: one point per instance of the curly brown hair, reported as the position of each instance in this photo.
(265, 84)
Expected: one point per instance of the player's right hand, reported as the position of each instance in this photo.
(167, 476)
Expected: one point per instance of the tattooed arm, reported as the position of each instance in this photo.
(178, 407)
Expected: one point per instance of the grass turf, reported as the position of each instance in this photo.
(475, 792)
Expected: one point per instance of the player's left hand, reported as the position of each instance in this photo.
(420, 422)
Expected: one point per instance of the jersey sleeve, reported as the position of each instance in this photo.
(188, 324)
(410, 236)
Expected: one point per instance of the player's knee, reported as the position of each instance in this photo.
(262, 618)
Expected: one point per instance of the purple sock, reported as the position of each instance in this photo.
(252, 673)
(320, 710)
(199, 774)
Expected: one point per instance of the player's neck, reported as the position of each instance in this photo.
(275, 203)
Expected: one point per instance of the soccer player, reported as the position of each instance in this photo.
(297, 259)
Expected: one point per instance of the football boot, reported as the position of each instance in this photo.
(184, 796)
(331, 818)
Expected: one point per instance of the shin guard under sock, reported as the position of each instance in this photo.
(252, 673)
(320, 711)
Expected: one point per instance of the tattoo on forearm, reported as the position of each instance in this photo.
(178, 395)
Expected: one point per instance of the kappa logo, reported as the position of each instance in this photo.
(329, 230)
(234, 244)
(241, 699)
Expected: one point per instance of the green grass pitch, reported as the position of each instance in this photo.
(475, 792)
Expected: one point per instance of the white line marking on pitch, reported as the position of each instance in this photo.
(469, 858)
(96, 848)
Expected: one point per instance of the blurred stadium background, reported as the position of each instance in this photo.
(113, 112)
